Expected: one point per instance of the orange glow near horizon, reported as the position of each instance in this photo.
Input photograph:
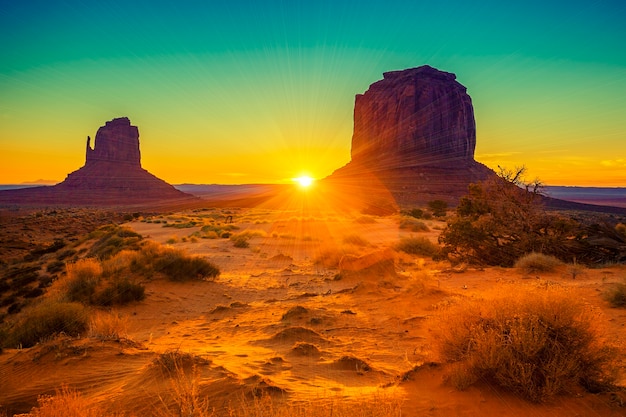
(304, 181)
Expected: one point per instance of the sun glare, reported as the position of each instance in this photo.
(304, 181)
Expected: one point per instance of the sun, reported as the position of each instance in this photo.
(304, 181)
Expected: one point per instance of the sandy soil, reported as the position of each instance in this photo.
(276, 321)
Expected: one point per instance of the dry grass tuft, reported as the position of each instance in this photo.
(537, 262)
(538, 344)
(67, 403)
(108, 326)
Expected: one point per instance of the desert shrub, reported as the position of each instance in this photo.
(537, 262)
(46, 320)
(83, 277)
(355, 240)
(119, 291)
(240, 241)
(179, 267)
(537, 344)
(616, 296)
(413, 225)
(438, 207)
(621, 229)
(417, 246)
(416, 212)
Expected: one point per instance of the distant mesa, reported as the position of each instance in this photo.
(112, 175)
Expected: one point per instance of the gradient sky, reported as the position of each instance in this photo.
(263, 91)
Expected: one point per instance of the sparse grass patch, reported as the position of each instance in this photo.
(616, 295)
(111, 240)
(417, 246)
(67, 403)
(537, 262)
(537, 344)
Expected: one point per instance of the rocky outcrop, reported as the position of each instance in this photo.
(418, 115)
(117, 141)
(414, 137)
(112, 176)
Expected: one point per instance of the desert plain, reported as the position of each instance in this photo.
(319, 312)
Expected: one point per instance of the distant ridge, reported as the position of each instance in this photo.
(112, 176)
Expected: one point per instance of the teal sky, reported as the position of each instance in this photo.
(260, 91)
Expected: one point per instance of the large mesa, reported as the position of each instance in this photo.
(415, 135)
(419, 115)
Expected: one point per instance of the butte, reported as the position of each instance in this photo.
(112, 176)
(413, 140)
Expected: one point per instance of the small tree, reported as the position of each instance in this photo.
(501, 219)
(438, 207)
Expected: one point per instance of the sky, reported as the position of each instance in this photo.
(237, 92)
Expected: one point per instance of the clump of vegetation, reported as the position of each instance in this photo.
(108, 326)
(537, 262)
(502, 219)
(535, 344)
(439, 208)
(413, 225)
(111, 240)
(46, 320)
(616, 296)
(417, 246)
(82, 279)
(87, 283)
(212, 231)
(177, 266)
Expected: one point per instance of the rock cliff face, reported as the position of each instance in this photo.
(112, 176)
(416, 115)
(116, 141)
(414, 132)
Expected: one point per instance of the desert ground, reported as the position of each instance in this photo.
(286, 322)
